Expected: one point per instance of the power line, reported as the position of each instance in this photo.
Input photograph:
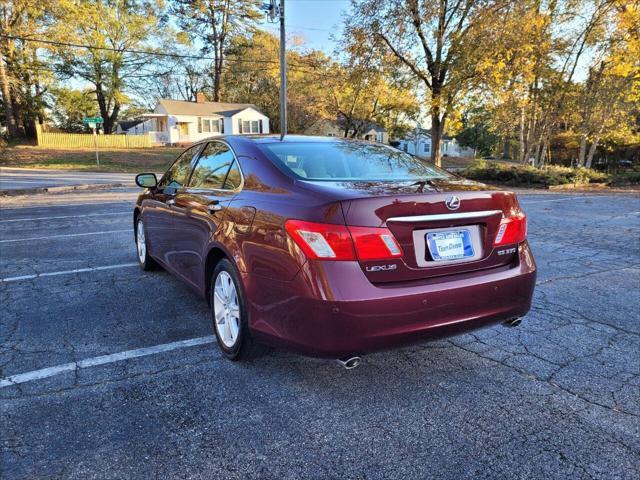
(309, 68)
(137, 52)
(228, 67)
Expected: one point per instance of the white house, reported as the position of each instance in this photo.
(178, 121)
(419, 143)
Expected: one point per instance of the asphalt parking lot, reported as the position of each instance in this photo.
(110, 372)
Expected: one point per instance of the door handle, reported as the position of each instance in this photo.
(214, 206)
(171, 201)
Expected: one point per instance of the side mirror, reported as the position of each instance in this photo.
(146, 180)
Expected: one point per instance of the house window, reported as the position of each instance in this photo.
(426, 147)
(209, 125)
(250, 126)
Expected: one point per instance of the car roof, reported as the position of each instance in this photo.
(267, 138)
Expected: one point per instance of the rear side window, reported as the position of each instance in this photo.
(178, 174)
(216, 169)
(350, 161)
(233, 177)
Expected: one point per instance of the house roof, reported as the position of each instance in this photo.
(127, 124)
(377, 127)
(425, 133)
(421, 132)
(365, 126)
(181, 107)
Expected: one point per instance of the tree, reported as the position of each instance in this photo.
(437, 41)
(611, 92)
(70, 106)
(317, 86)
(531, 83)
(252, 75)
(475, 133)
(23, 75)
(177, 78)
(118, 32)
(215, 23)
(365, 88)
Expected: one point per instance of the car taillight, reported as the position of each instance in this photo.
(321, 240)
(512, 230)
(374, 243)
(338, 242)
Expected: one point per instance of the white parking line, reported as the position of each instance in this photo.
(65, 216)
(64, 236)
(102, 360)
(67, 272)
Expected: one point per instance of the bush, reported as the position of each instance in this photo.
(626, 178)
(525, 175)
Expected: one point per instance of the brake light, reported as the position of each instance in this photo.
(512, 230)
(338, 242)
(374, 243)
(321, 240)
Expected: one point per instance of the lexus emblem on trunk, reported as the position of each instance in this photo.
(452, 202)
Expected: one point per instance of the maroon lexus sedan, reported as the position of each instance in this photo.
(332, 247)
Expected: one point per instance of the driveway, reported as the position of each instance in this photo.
(111, 372)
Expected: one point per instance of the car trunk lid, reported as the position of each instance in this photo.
(411, 217)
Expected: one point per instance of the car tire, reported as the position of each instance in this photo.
(229, 314)
(142, 248)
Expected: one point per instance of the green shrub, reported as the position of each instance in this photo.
(525, 175)
(626, 178)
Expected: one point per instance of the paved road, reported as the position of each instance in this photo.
(558, 397)
(23, 178)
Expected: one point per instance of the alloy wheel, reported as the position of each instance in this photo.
(226, 309)
(140, 242)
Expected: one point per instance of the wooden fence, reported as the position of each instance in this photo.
(85, 140)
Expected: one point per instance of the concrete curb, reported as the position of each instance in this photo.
(61, 189)
(579, 186)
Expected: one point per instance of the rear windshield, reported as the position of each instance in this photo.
(352, 161)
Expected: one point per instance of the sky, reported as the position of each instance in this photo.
(314, 20)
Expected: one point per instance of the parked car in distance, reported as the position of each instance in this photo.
(333, 247)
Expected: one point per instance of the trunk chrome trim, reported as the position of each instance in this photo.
(444, 216)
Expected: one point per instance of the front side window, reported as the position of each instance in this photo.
(178, 173)
(349, 161)
(213, 166)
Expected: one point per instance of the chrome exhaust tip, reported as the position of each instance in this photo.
(349, 363)
(514, 322)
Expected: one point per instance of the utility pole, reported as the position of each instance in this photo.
(275, 9)
(283, 75)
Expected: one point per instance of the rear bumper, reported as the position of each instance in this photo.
(331, 310)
